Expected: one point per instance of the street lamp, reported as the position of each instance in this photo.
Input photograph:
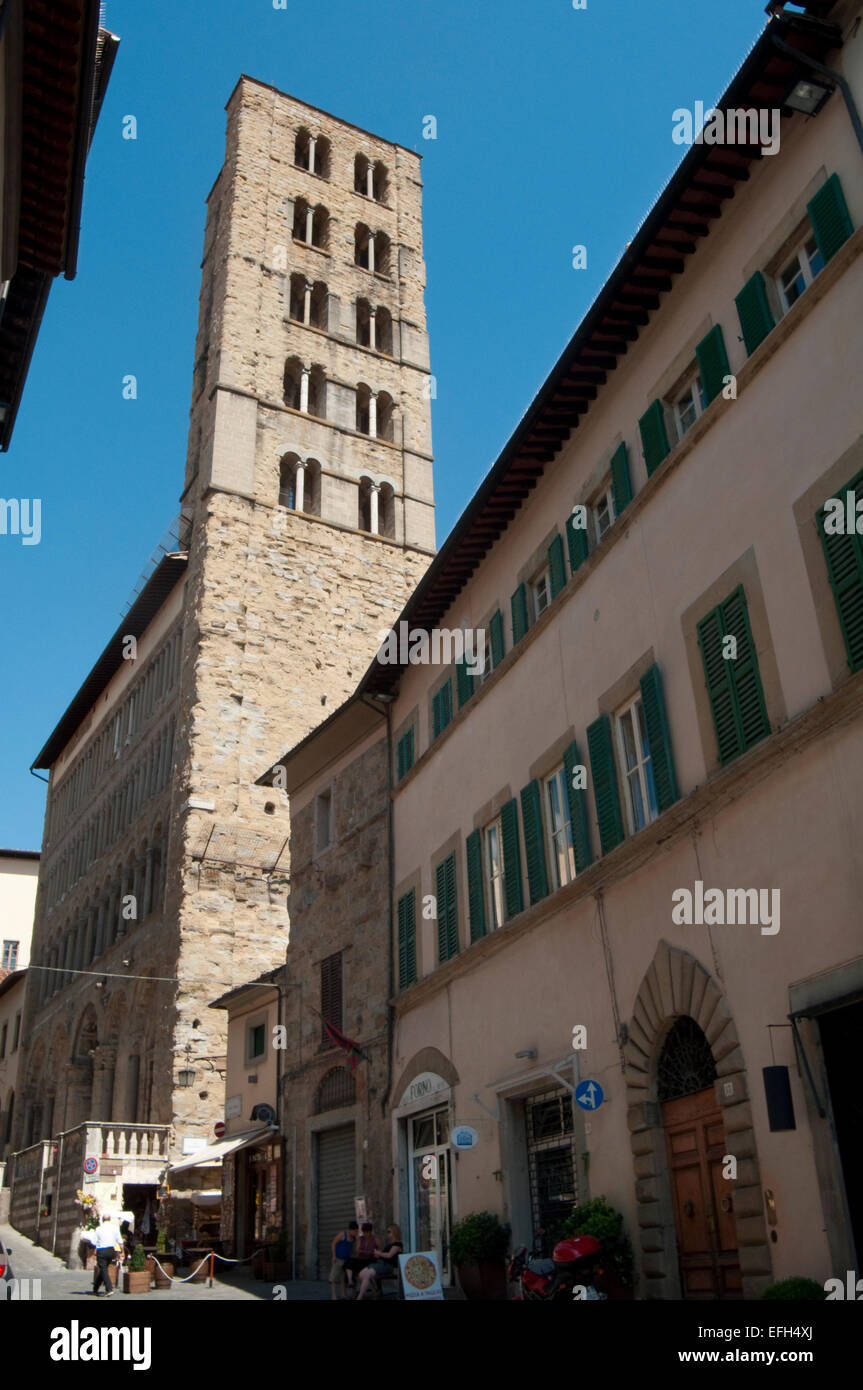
(186, 1074)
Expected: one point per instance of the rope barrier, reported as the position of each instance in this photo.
(210, 1255)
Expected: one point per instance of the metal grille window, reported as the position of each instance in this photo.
(551, 1160)
(336, 1090)
(331, 995)
(686, 1065)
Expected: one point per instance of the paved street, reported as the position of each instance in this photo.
(60, 1284)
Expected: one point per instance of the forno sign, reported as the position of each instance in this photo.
(428, 1083)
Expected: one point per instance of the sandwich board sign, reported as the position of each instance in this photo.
(420, 1275)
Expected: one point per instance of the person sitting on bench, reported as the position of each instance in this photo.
(386, 1264)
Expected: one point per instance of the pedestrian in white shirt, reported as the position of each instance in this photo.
(108, 1242)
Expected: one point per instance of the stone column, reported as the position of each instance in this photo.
(307, 303)
(374, 492)
(304, 390)
(312, 153)
(372, 327)
(300, 488)
(371, 250)
(373, 414)
(370, 181)
(310, 225)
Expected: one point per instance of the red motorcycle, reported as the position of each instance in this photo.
(567, 1275)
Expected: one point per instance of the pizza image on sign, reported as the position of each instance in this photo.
(419, 1272)
(420, 1275)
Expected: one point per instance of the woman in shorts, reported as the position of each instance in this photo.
(386, 1263)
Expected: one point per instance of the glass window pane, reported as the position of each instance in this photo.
(629, 750)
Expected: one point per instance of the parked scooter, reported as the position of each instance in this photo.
(567, 1275)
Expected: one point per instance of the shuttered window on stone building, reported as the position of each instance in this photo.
(447, 909)
(732, 677)
(405, 754)
(442, 709)
(331, 995)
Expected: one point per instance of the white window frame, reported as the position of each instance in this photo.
(606, 496)
(494, 876)
(804, 257)
(541, 582)
(11, 949)
(561, 849)
(694, 389)
(638, 772)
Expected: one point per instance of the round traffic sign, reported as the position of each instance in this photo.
(219, 1128)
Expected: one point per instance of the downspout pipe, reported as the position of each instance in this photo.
(832, 75)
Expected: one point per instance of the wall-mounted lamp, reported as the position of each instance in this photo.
(807, 97)
(186, 1074)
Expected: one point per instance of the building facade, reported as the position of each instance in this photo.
(625, 854)
(307, 518)
(18, 874)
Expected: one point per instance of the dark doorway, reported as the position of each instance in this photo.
(841, 1031)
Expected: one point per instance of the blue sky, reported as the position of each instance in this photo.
(554, 129)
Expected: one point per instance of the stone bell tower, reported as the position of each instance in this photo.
(309, 509)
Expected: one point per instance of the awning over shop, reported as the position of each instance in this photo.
(214, 1153)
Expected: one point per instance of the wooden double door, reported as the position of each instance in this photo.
(703, 1198)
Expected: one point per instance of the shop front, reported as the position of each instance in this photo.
(423, 1120)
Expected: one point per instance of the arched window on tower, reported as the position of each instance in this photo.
(380, 182)
(312, 489)
(362, 246)
(317, 393)
(363, 408)
(308, 302)
(384, 414)
(293, 382)
(364, 321)
(361, 175)
(302, 149)
(311, 225)
(387, 511)
(297, 306)
(384, 330)
(288, 481)
(312, 152)
(382, 253)
(364, 508)
(370, 179)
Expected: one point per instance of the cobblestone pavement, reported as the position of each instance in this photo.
(60, 1284)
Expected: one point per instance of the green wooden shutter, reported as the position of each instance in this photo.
(654, 438)
(511, 859)
(604, 777)
(519, 614)
(712, 363)
(734, 686)
(476, 903)
(828, 213)
(464, 683)
(577, 810)
(442, 709)
(754, 312)
(658, 739)
(407, 940)
(556, 566)
(844, 556)
(495, 632)
(447, 910)
(576, 539)
(405, 754)
(621, 484)
(534, 841)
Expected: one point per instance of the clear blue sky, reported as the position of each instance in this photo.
(554, 128)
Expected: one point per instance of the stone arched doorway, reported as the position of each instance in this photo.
(81, 1070)
(687, 1099)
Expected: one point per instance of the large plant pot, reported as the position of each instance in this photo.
(160, 1279)
(136, 1281)
(194, 1258)
(483, 1279)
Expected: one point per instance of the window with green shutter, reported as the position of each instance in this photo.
(518, 604)
(754, 312)
(576, 539)
(621, 483)
(556, 566)
(495, 632)
(658, 739)
(407, 920)
(447, 909)
(404, 754)
(577, 809)
(712, 363)
(654, 438)
(733, 683)
(534, 842)
(604, 777)
(828, 213)
(464, 683)
(843, 552)
(475, 899)
(442, 709)
(511, 858)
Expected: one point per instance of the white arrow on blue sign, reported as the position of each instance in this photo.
(589, 1095)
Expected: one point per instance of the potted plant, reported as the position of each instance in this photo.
(163, 1272)
(89, 1222)
(477, 1247)
(614, 1273)
(136, 1278)
(796, 1288)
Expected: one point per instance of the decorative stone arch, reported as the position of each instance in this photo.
(674, 986)
(427, 1059)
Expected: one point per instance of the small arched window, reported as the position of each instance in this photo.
(288, 481)
(337, 1089)
(387, 511)
(311, 225)
(364, 321)
(362, 245)
(364, 509)
(361, 174)
(380, 182)
(317, 393)
(385, 407)
(293, 382)
(384, 331)
(363, 408)
(302, 149)
(686, 1063)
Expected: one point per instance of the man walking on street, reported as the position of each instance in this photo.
(108, 1241)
